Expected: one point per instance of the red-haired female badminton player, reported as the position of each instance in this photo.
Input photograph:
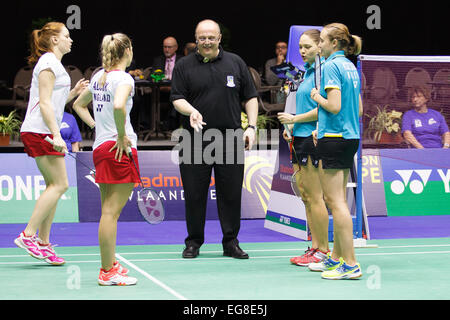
(49, 93)
(111, 90)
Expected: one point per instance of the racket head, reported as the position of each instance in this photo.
(317, 72)
(294, 183)
(150, 206)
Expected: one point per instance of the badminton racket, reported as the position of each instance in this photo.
(91, 172)
(149, 202)
(296, 175)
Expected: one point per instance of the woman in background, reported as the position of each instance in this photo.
(423, 127)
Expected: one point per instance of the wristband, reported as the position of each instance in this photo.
(251, 126)
(446, 145)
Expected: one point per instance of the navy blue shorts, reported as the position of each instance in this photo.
(337, 153)
(304, 147)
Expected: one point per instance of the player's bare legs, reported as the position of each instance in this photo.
(113, 198)
(53, 169)
(334, 185)
(316, 211)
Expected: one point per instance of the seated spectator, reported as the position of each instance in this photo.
(70, 132)
(270, 77)
(423, 127)
(189, 47)
(166, 62)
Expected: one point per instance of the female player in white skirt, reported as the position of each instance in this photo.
(49, 93)
(111, 90)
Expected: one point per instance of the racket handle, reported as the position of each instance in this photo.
(130, 154)
(49, 140)
(288, 131)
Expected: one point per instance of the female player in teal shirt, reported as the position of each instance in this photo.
(305, 122)
(338, 139)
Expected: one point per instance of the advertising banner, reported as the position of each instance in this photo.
(416, 181)
(286, 212)
(159, 169)
(372, 183)
(21, 184)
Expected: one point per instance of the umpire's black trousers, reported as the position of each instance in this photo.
(228, 165)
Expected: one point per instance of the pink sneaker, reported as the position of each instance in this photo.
(50, 253)
(30, 245)
(308, 252)
(310, 256)
(120, 268)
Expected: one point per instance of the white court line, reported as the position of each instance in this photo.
(220, 258)
(220, 251)
(153, 279)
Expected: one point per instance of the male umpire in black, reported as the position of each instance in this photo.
(209, 89)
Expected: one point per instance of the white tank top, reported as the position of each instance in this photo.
(33, 121)
(103, 106)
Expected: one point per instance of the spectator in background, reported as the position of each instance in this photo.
(189, 48)
(70, 132)
(134, 71)
(280, 56)
(423, 127)
(167, 60)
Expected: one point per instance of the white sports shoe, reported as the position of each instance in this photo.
(114, 278)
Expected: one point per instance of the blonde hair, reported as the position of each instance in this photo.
(112, 51)
(40, 42)
(351, 44)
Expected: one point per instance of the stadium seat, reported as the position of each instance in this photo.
(417, 77)
(270, 109)
(20, 91)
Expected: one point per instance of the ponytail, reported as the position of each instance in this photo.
(351, 44)
(40, 42)
(355, 46)
(112, 51)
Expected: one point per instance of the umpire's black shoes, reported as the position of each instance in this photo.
(235, 251)
(190, 252)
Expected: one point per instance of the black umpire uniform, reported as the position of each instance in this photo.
(216, 88)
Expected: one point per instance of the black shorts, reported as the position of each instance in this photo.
(337, 153)
(304, 147)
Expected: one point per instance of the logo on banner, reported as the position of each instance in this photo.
(417, 185)
(258, 178)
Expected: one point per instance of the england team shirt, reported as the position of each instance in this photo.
(34, 122)
(340, 73)
(103, 106)
(304, 103)
(427, 127)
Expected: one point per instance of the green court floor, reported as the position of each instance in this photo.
(397, 269)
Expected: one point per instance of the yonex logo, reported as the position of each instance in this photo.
(417, 185)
